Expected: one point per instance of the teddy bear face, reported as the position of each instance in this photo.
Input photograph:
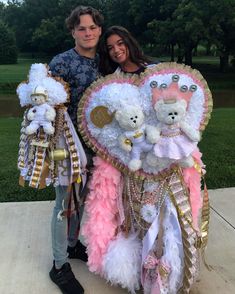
(38, 99)
(130, 117)
(170, 113)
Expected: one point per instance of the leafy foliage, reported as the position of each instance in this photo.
(8, 49)
(161, 26)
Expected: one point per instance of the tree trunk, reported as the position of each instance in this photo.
(188, 57)
(224, 61)
(172, 53)
(180, 57)
(208, 49)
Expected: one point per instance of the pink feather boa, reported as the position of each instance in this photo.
(192, 179)
(101, 208)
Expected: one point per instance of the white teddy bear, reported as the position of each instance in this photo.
(41, 114)
(175, 138)
(131, 119)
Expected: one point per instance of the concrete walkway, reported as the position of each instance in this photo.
(25, 253)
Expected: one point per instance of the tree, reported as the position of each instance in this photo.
(50, 36)
(13, 16)
(8, 49)
(2, 7)
(180, 24)
(25, 17)
(162, 28)
(141, 13)
(221, 24)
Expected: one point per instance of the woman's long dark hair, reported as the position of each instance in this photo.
(107, 66)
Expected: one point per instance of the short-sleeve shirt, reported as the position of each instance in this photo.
(78, 71)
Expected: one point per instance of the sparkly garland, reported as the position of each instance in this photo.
(40, 155)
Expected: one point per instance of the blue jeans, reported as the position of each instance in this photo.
(61, 238)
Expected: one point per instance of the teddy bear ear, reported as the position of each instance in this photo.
(117, 115)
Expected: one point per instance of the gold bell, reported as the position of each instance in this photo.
(59, 154)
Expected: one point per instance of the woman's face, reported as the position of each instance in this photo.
(117, 49)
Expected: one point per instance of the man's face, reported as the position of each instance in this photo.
(86, 34)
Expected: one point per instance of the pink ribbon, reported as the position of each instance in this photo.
(154, 280)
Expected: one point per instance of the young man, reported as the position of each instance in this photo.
(79, 67)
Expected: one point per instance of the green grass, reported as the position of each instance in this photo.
(12, 74)
(9, 175)
(217, 147)
(17, 72)
(218, 150)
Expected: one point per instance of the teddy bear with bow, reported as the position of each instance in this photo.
(41, 114)
(174, 137)
(133, 139)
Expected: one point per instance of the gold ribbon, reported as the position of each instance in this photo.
(44, 174)
(203, 238)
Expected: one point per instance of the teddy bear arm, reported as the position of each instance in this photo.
(125, 143)
(152, 134)
(31, 114)
(190, 132)
(50, 114)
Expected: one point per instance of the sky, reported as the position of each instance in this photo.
(4, 1)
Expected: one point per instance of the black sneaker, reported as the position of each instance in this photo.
(65, 280)
(78, 251)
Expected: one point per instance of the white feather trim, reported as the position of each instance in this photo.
(173, 247)
(122, 262)
(37, 73)
(38, 77)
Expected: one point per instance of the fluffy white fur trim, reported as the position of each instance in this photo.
(122, 262)
(38, 76)
(173, 247)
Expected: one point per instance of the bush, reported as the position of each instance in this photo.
(8, 49)
(233, 62)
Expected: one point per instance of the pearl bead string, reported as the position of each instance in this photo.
(135, 195)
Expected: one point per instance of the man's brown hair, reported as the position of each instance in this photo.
(74, 18)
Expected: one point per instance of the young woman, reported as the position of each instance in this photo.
(120, 51)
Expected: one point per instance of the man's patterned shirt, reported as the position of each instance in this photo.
(78, 71)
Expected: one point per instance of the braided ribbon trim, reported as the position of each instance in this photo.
(180, 199)
(22, 155)
(205, 220)
(38, 162)
(74, 154)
